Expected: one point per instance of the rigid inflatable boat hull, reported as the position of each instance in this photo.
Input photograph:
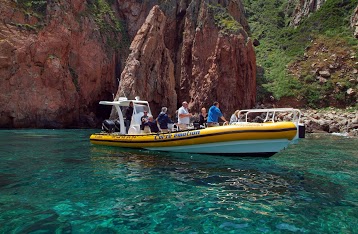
(257, 138)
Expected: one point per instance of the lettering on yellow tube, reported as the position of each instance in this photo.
(176, 135)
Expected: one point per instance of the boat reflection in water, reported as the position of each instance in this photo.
(251, 187)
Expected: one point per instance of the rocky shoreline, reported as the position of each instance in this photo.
(343, 121)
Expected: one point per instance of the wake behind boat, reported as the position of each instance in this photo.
(241, 138)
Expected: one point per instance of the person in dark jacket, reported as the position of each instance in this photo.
(144, 120)
(152, 123)
(129, 113)
(163, 120)
(203, 117)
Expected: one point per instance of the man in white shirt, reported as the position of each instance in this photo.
(184, 116)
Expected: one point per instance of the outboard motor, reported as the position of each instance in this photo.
(117, 126)
(301, 131)
(108, 126)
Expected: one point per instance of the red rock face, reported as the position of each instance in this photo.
(216, 65)
(54, 76)
(211, 63)
(51, 77)
(134, 12)
(149, 70)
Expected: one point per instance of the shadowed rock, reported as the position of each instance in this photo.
(149, 70)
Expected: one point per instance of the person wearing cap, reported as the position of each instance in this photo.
(214, 114)
(184, 116)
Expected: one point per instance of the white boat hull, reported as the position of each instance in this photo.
(230, 147)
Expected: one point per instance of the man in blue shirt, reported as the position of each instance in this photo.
(214, 114)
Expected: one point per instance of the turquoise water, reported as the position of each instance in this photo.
(55, 181)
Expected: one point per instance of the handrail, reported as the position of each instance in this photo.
(271, 113)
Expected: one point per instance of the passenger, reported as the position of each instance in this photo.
(129, 113)
(152, 123)
(235, 117)
(163, 120)
(184, 116)
(144, 120)
(176, 115)
(203, 117)
(214, 114)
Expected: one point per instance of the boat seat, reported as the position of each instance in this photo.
(146, 130)
(134, 130)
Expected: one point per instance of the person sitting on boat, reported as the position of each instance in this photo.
(129, 113)
(214, 115)
(152, 123)
(144, 119)
(235, 117)
(163, 120)
(203, 117)
(184, 116)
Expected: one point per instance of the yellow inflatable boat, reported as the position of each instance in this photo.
(241, 138)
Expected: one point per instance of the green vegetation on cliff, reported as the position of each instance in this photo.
(108, 23)
(35, 6)
(101, 11)
(224, 20)
(104, 16)
(32, 9)
(293, 57)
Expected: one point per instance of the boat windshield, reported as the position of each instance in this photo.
(138, 108)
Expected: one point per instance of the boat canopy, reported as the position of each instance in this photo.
(248, 115)
(139, 107)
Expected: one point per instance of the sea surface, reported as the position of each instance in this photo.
(55, 181)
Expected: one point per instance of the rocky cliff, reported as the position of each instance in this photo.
(52, 74)
(149, 70)
(57, 63)
(217, 58)
(200, 53)
(304, 8)
(354, 22)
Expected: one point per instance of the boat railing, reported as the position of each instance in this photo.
(270, 115)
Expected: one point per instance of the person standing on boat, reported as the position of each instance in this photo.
(203, 117)
(184, 116)
(163, 120)
(214, 115)
(129, 113)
